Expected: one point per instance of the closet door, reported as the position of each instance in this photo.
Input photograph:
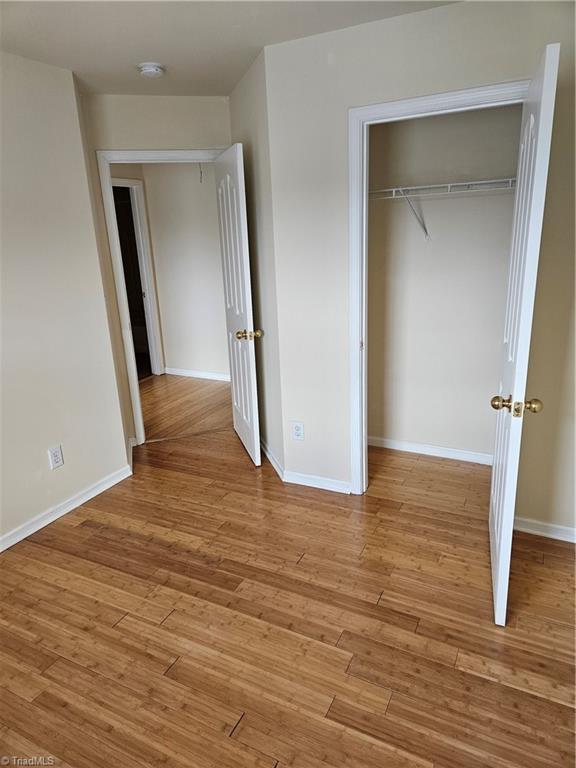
(229, 171)
(511, 402)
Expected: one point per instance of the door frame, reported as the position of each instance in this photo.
(146, 268)
(359, 121)
(105, 159)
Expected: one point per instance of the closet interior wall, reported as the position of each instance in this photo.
(436, 306)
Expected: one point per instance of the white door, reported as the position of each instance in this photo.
(229, 170)
(535, 137)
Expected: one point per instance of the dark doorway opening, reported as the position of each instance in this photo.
(129, 249)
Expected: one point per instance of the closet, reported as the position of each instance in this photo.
(439, 227)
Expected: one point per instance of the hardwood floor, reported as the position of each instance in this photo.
(204, 614)
(176, 406)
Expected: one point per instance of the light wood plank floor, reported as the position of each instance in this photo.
(176, 406)
(203, 614)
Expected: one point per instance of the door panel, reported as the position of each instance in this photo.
(229, 170)
(535, 139)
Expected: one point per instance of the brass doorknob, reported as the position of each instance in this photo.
(498, 402)
(534, 405)
(246, 335)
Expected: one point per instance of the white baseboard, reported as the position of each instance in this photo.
(44, 518)
(316, 481)
(432, 450)
(298, 478)
(551, 531)
(198, 374)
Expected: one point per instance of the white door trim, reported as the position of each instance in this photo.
(146, 266)
(105, 159)
(359, 120)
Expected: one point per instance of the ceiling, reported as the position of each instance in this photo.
(205, 46)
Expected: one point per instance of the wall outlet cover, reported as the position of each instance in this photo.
(55, 456)
(297, 430)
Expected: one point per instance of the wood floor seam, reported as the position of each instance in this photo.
(236, 725)
(119, 620)
(186, 436)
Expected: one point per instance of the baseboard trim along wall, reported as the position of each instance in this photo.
(198, 374)
(432, 450)
(549, 530)
(316, 481)
(44, 518)
(298, 478)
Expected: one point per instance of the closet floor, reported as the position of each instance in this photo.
(202, 613)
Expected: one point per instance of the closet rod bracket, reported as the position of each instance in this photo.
(416, 215)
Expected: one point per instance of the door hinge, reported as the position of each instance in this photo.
(361, 344)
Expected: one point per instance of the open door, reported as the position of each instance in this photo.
(229, 171)
(511, 403)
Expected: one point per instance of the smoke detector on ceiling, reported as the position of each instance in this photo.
(151, 69)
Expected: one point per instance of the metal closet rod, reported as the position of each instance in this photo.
(450, 188)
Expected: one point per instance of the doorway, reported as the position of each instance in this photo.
(360, 121)
(132, 278)
(190, 392)
(193, 219)
(440, 211)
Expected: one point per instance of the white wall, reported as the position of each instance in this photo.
(311, 84)
(183, 220)
(158, 122)
(58, 383)
(249, 121)
(436, 307)
(462, 146)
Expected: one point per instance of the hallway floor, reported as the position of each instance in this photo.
(202, 613)
(176, 406)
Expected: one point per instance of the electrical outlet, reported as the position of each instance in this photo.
(55, 456)
(297, 430)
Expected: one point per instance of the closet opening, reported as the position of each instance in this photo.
(441, 192)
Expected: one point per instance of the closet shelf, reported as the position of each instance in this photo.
(442, 190)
